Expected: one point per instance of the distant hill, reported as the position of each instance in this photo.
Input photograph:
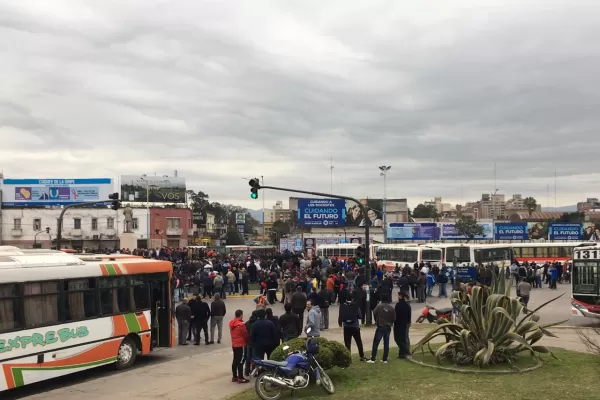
(563, 208)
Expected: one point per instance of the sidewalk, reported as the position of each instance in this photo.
(208, 375)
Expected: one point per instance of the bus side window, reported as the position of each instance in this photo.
(139, 293)
(526, 252)
(114, 298)
(40, 303)
(10, 315)
(80, 300)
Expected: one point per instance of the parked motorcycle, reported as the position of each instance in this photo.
(428, 314)
(294, 373)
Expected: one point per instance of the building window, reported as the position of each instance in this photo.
(110, 223)
(37, 224)
(76, 223)
(94, 224)
(17, 223)
(173, 223)
(134, 223)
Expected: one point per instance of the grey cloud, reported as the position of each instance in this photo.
(220, 91)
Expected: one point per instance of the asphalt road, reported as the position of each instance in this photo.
(557, 311)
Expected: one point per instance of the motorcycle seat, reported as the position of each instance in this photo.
(275, 363)
(441, 311)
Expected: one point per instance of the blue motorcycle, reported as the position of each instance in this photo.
(294, 373)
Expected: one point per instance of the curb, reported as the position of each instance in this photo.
(477, 372)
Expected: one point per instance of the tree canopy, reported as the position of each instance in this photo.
(467, 226)
(425, 211)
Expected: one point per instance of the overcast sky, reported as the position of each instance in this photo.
(221, 90)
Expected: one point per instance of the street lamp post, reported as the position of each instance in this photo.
(384, 169)
(494, 212)
(262, 183)
(143, 179)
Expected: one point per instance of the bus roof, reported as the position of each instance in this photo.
(405, 246)
(19, 265)
(552, 244)
(104, 257)
(590, 246)
(338, 246)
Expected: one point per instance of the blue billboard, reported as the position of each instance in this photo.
(54, 192)
(511, 231)
(565, 231)
(448, 232)
(321, 212)
(413, 231)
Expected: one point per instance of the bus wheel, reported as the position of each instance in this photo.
(127, 353)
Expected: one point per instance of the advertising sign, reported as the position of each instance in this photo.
(321, 212)
(413, 231)
(155, 189)
(240, 218)
(511, 231)
(591, 232)
(565, 231)
(537, 230)
(240, 228)
(448, 232)
(54, 192)
(309, 247)
(466, 273)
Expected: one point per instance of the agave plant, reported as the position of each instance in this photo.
(491, 328)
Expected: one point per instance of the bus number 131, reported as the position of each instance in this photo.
(585, 254)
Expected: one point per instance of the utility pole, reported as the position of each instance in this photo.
(384, 170)
(331, 173)
(554, 189)
(262, 183)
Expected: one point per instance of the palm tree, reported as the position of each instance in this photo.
(530, 204)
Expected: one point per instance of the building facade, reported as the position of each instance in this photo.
(92, 229)
(171, 227)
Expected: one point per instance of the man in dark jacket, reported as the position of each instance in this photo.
(183, 313)
(289, 324)
(350, 325)
(200, 317)
(263, 336)
(402, 325)
(217, 313)
(323, 304)
(298, 302)
(248, 355)
(208, 286)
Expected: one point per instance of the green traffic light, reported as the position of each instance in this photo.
(254, 195)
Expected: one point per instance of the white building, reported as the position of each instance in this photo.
(91, 228)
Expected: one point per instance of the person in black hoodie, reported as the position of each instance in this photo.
(289, 324)
(323, 304)
(248, 354)
(208, 286)
(263, 336)
(402, 325)
(200, 317)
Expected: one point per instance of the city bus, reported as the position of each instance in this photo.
(390, 255)
(343, 251)
(585, 282)
(60, 314)
(544, 252)
(466, 254)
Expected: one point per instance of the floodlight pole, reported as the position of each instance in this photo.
(367, 234)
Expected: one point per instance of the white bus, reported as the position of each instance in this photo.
(343, 251)
(585, 282)
(467, 254)
(543, 252)
(390, 255)
(60, 314)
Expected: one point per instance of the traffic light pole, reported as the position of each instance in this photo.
(367, 233)
(62, 214)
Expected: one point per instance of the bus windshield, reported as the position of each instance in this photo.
(585, 281)
(462, 254)
(491, 255)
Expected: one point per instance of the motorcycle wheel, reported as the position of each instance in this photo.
(326, 382)
(265, 390)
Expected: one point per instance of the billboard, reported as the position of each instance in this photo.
(54, 192)
(537, 230)
(448, 232)
(396, 210)
(155, 189)
(565, 231)
(511, 231)
(413, 231)
(321, 212)
(591, 231)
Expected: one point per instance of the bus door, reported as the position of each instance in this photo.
(161, 310)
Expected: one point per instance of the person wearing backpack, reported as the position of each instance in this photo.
(385, 316)
(348, 320)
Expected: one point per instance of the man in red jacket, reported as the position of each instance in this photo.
(239, 341)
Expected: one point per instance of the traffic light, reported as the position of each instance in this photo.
(116, 204)
(255, 185)
(48, 230)
(360, 253)
(157, 231)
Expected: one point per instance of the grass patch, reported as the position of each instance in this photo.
(574, 373)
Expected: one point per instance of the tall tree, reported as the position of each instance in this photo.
(234, 238)
(425, 211)
(467, 226)
(279, 230)
(531, 204)
(572, 217)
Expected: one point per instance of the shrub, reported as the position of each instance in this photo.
(331, 353)
(487, 330)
